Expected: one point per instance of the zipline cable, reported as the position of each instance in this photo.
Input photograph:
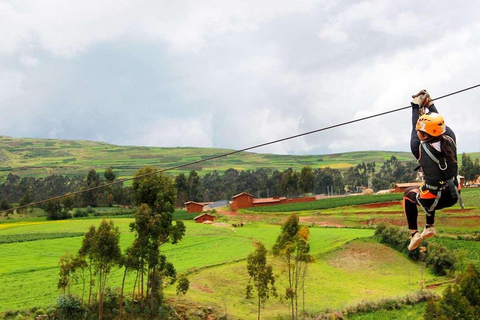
(230, 153)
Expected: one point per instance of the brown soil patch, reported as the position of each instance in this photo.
(318, 222)
(202, 288)
(380, 204)
(432, 286)
(360, 256)
(456, 210)
(238, 215)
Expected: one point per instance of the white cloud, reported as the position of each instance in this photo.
(234, 74)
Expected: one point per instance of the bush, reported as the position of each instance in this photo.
(69, 307)
(39, 312)
(440, 258)
(79, 213)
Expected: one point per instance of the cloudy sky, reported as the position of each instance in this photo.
(232, 74)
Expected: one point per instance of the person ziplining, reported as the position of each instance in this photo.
(434, 146)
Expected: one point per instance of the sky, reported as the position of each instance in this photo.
(233, 74)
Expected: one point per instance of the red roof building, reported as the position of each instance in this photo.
(204, 217)
(193, 206)
(241, 201)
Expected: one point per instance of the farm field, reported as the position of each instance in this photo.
(350, 265)
(41, 157)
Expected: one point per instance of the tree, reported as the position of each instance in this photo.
(66, 269)
(274, 184)
(326, 178)
(68, 202)
(261, 275)
(93, 180)
(106, 254)
(431, 310)
(247, 182)
(454, 305)
(5, 205)
(229, 183)
(307, 180)
(182, 189)
(470, 287)
(86, 252)
(26, 199)
(69, 265)
(53, 208)
(212, 184)
(109, 175)
(183, 285)
(293, 248)
(194, 187)
(153, 227)
(289, 183)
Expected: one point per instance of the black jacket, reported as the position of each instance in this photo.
(433, 175)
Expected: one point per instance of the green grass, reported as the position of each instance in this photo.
(342, 276)
(37, 236)
(471, 197)
(328, 203)
(29, 270)
(407, 313)
(471, 248)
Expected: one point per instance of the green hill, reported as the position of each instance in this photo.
(42, 157)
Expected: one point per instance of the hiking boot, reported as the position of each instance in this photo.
(415, 242)
(428, 232)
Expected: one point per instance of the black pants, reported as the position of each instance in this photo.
(427, 198)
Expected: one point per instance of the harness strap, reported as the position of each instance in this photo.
(437, 199)
(430, 154)
(460, 200)
(421, 205)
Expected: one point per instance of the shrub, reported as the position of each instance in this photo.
(20, 317)
(440, 258)
(78, 213)
(69, 307)
(39, 312)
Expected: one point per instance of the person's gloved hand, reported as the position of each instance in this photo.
(420, 99)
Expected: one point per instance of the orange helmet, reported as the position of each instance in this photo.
(431, 123)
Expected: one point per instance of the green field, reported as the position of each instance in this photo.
(346, 270)
(328, 203)
(350, 267)
(41, 157)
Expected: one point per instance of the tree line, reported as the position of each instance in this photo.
(215, 186)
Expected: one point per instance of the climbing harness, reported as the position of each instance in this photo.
(448, 183)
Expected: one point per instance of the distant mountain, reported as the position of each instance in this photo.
(42, 157)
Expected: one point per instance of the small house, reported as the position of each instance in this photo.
(241, 201)
(193, 206)
(204, 217)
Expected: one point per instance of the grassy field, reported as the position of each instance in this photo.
(40, 157)
(350, 266)
(214, 258)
